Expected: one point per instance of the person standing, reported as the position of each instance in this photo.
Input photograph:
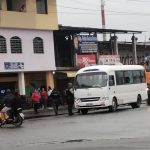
(55, 98)
(35, 99)
(44, 98)
(70, 98)
(49, 91)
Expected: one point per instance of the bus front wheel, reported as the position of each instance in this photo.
(84, 111)
(113, 107)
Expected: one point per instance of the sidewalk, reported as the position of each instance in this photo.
(29, 114)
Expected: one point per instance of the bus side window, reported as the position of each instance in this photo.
(127, 79)
(111, 80)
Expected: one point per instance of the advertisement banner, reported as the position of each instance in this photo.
(13, 65)
(85, 43)
(109, 60)
(85, 60)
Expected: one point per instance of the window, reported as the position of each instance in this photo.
(111, 80)
(128, 77)
(136, 76)
(143, 79)
(0, 5)
(119, 78)
(16, 46)
(38, 45)
(91, 80)
(16, 5)
(41, 6)
(2, 45)
(9, 5)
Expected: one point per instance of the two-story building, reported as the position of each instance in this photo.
(27, 58)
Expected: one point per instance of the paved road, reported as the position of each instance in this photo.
(126, 129)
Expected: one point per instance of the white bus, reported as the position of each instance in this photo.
(108, 86)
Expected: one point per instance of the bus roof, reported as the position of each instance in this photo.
(108, 68)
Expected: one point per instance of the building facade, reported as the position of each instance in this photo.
(27, 58)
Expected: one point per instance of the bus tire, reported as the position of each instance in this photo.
(84, 111)
(113, 107)
(138, 103)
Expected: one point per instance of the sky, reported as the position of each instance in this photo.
(119, 14)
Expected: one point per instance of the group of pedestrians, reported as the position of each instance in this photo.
(39, 99)
(51, 97)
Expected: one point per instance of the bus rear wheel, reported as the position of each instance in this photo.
(84, 111)
(138, 103)
(113, 107)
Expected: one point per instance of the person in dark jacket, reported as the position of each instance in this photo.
(8, 101)
(18, 102)
(55, 100)
(70, 98)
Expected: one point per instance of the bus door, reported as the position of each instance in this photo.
(112, 87)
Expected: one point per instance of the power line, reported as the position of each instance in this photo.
(98, 10)
(95, 11)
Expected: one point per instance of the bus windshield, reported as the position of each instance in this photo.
(91, 80)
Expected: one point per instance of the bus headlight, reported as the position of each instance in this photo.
(105, 98)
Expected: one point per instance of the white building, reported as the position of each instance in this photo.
(27, 58)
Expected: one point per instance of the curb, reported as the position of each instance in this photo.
(29, 114)
(42, 116)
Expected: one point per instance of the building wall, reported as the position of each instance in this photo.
(32, 61)
(29, 19)
(125, 52)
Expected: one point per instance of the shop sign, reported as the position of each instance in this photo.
(85, 60)
(85, 43)
(13, 65)
(109, 60)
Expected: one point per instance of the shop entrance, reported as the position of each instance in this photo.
(8, 81)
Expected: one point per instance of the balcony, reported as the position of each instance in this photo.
(35, 14)
(27, 20)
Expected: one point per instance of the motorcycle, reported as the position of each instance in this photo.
(16, 120)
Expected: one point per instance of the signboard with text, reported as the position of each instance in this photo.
(13, 65)
(85, 44)
(109, 59)
(85, 60)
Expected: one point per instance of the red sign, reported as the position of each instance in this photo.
(85, 60)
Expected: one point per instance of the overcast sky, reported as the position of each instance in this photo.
(120, 14)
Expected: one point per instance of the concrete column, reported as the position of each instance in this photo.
(115, 45)
(50, 79)
(21, 83)
(134, 41)
(3, 5)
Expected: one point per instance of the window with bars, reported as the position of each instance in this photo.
(38, 45)
(16, 46)
(3, 45)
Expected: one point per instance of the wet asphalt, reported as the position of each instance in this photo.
(126, 129)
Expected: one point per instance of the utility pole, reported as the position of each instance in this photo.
(134, 42)
(103, 18)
